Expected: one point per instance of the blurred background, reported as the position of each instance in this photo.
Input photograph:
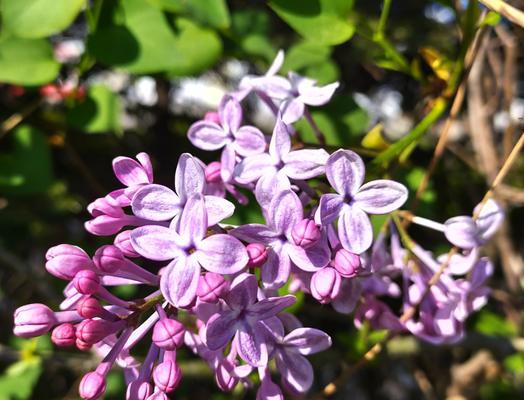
(82, 82)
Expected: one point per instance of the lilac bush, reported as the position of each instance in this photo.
(223, 291)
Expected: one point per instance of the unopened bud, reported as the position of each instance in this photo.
(33, 320)
(211, 287)
(92, 386)
(346, 263)
(167, 376)
(325, 284)
(257, 254)
(64, 335)
(168, 334)
(65, 260)
(306, 233)
(86, 282)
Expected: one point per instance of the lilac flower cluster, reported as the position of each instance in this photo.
(220, 289)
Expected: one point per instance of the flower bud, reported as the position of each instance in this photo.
(139, 390)
(306, 233)
(109, 259)
(86, 282)
(105, 225)
(168, 334)
(257, 254)
(325, 284)
(101, 206)
(123, 242)
(64, 335)
(211, 286)
(223, 377)
(158, 395)
(82, 346)
(212, 172)
(65, 260)
(91, 331)
(346, 263)
(167, 376)
(89, 307)
(92, 386)
(33, 320)
(212, 116)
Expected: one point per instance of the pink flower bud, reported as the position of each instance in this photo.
(86, 282)
(139, 390)
(325, 284)
(167, 376)
(168, 334)
(346, 263)
(306, 233)
(101, 206)
(92, 386)
(33, 320)
(64, 335)
(257, 254)
(91, 331)
(223, 377)
(109, 259)
(211, 287)
(212, 172)
(105, 225)
(123, 242)
(65, 260)
(82, 346)
(89, 308)
(158, 395)
(212, 116)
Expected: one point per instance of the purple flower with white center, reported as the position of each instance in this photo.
(354, 200)
(304, 91)
(159, 203)
(245, 140)
(189, 248)
(243, 320)
(467, 233)
(285, 212)
(297, 164)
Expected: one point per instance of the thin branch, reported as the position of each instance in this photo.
(513, 14)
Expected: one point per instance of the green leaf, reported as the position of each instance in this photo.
(169, 5)
(143, 41)
(491, 324)
(213, 13)
(251, 31)
(492, 19)
(515, 363)
(38, 18)
(324, 21)
(19, 379)
(99, 112)
(26, 169)
(305, 54)
(342, 122)
(27, 61)
(258, 45)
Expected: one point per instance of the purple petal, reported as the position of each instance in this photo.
(381, 196)
(228, 162)
(276, 87)
(270, 307)
(355, 230)
(129, 172)
(193, 220)
(296, 371)
(207, 135)
(219, 330)
(222, 254)
(275, 272)
(145, 161)
(243, 292)
(311, 259)
(268, 186)
(280, 143)
(481, 272)
(330, 207)
(179, 281)
(317, 96)
(460, 264)
(230, 113)
(348, 297)
(276, 64)
(305, 164)
(249, 140)
(489, 219)
(189, 177)
(345, 171)
(156, 242)
(253, 233)
(461, 231)
(308, 340)
(218, 209)
(285, 212)
(253, 167)
(268, 390)
(251, 346)
(291, 110)
(155, 203)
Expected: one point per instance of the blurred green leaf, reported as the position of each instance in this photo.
(324, 21)
(141, 40)
(491, 324)
(169, 5)
(116, 385)
(99, 112)
(213, 13)
(305, 54)
(258, 45)
(492, 19)
(26, 61)
(251, 30)
(342, 121)
(26, 169)
(515, 363)
(38, 18)
(19, 379)
(323, 73)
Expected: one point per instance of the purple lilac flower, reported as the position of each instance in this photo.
(189, 248)
(245, 140)
(354, 200)
(285, 212)
(243, 320)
